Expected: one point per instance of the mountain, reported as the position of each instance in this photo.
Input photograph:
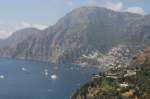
(20, 35)
(9, 45)
(89, 28)
(139, 31)
(79, 32)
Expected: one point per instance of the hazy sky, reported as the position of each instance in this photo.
(17, 14)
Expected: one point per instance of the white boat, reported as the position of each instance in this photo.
(23, 69)
(54, 77)
(2, 76)
(46, 72)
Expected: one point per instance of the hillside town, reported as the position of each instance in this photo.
(120, 82)
(117, 56)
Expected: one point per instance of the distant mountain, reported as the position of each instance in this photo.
(81, 31)
(9, 45)
(18, 36)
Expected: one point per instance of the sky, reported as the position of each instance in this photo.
(18, 14)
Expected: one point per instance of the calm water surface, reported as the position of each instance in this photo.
(38, 80)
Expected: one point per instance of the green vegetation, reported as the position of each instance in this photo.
(107, 84)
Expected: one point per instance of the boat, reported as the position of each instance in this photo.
(54, 77)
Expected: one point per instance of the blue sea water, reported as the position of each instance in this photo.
(20, 79)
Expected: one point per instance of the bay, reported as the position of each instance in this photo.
(22, 79)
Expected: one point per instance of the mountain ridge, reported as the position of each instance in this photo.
(81, 31)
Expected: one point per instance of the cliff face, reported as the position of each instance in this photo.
(81, 31)
(130, 82)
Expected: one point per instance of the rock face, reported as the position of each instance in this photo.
(9, 46)
(131, 83)
(139, 31)
(81, 31)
